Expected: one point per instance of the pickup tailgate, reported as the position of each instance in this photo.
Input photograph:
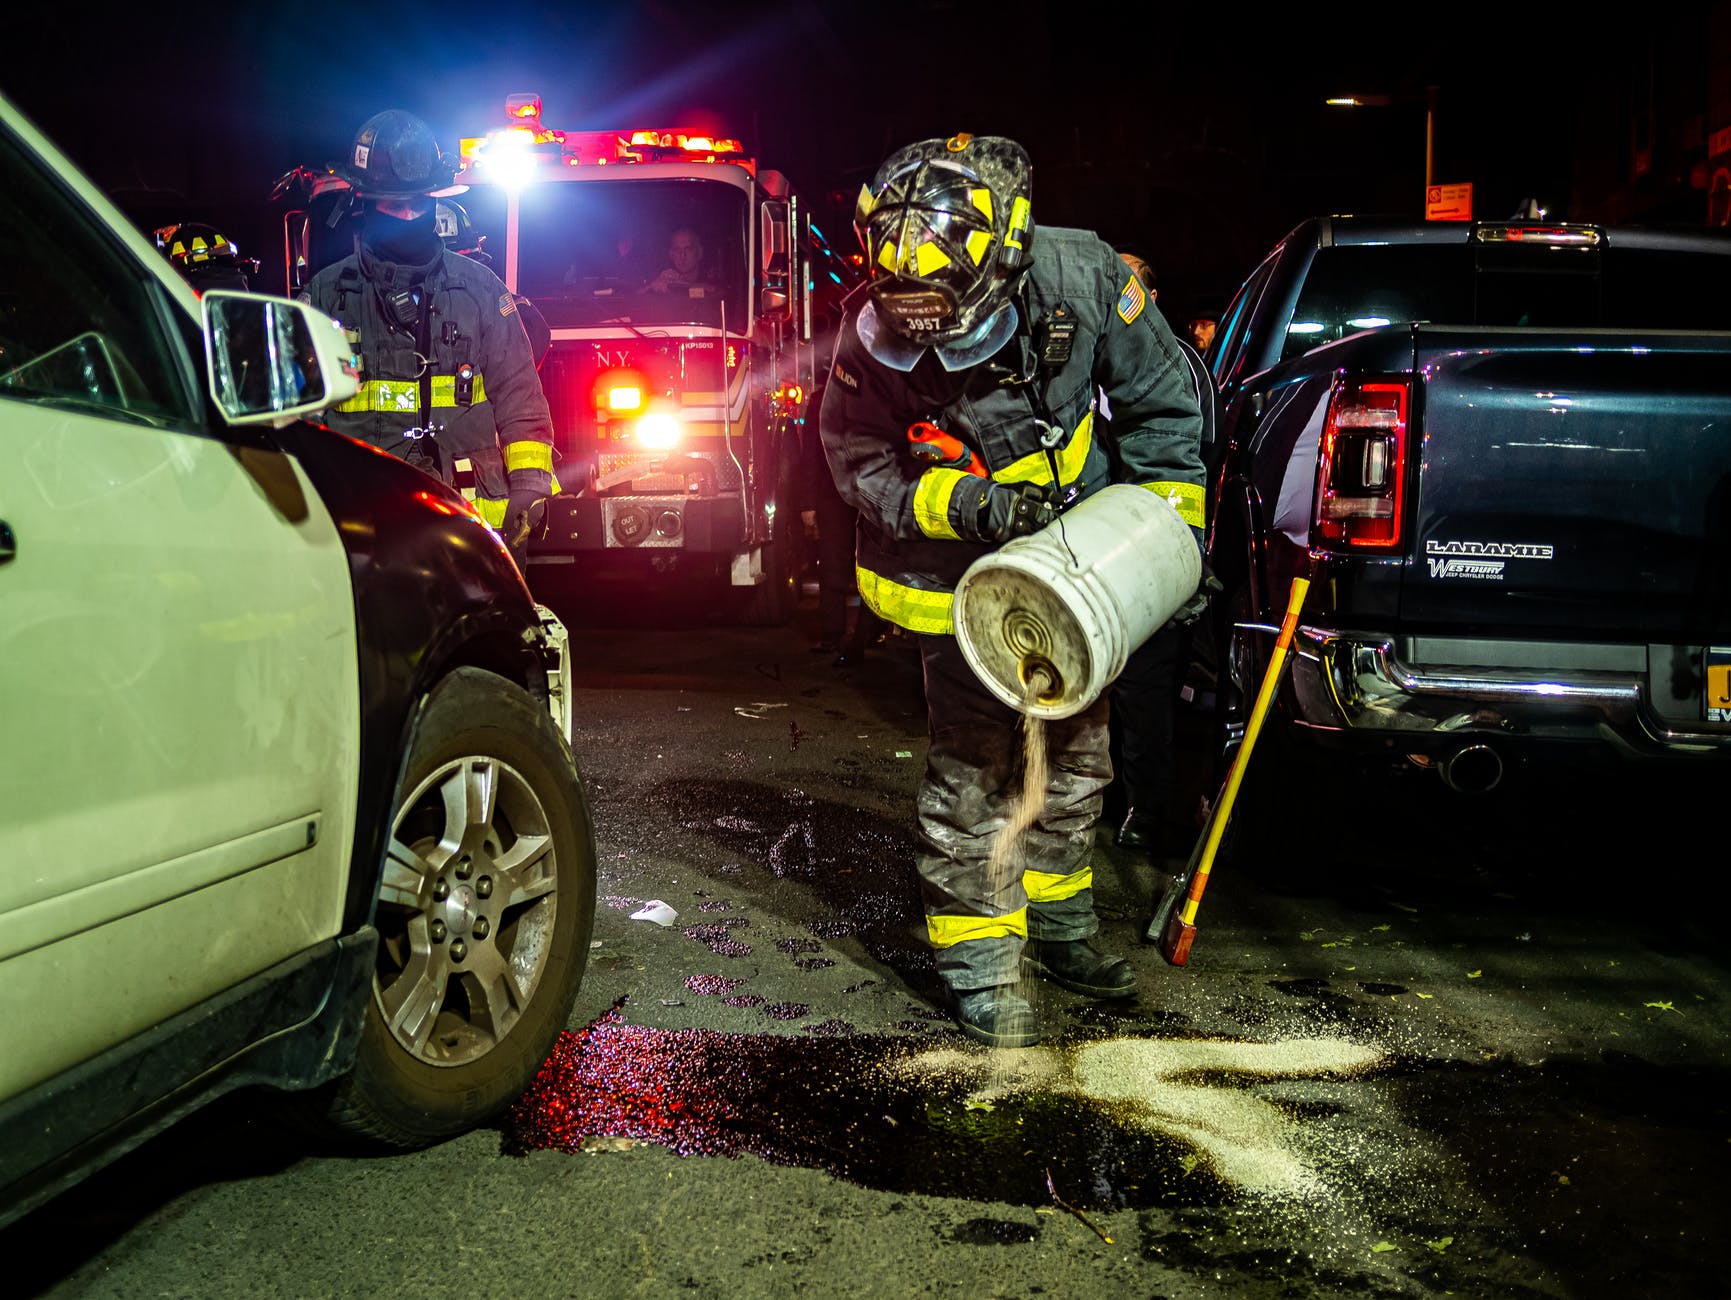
(1573, 484)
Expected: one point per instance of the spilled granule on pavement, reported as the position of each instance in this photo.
(1187, 1088)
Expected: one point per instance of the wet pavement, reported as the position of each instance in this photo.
(1432, 1046)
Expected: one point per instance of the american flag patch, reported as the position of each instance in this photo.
(1131, 301)
(508, 304)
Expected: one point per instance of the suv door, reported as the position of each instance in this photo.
(178, 680)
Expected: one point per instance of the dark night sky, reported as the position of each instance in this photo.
(1200, 138)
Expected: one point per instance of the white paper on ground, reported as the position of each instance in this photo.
(657, 911)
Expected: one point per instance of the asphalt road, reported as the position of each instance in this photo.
(1434, 1045)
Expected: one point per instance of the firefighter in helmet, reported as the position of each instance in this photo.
(960, 413)
(205, 256)
(448, 376)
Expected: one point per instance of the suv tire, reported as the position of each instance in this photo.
(485, 910)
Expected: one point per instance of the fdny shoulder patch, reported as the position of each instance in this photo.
(508, 304)
(844, 377)
(1131, 301)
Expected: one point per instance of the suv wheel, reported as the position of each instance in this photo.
(484, 917)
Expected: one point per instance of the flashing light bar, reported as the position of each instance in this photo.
(687, 143)
(574, 149)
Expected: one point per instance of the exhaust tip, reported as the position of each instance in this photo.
(1472, 769)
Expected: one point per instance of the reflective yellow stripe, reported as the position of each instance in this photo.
(491, 509)
(528, 455)
(946, 931)
(1019, 219)
(1036, 467)
(1044, 887)
(932, 502)
(909, 607)
(404, 395)
(1185, 498)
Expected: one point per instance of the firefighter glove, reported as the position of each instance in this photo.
(1011, 510)
(1206, 590)
(523, 510)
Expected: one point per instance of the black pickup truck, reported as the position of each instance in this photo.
(1501, 454)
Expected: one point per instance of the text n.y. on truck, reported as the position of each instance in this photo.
(1501, 454)
(683, 285)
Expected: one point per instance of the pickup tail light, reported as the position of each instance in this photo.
(1362, 465)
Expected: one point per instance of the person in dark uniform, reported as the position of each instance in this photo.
(959, 414)
(1145, 693)
(685, 265)
(448, 377)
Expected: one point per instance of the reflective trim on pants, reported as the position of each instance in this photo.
(972, 783)
(1046, 887)
(945, 931)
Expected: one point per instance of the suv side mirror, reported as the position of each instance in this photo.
(272, 360)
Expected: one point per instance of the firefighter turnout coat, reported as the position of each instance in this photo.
(1005, 406)
(486, 403)
(910, 550)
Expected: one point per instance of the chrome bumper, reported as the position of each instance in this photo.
(1357, 684)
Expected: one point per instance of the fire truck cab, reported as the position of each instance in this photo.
(677, 398)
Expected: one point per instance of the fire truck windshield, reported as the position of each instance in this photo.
(651, 252)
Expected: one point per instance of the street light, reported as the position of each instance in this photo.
(1428, 99)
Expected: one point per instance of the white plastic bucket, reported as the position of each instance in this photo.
(1074, 599)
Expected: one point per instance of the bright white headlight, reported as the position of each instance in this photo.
(658, 432)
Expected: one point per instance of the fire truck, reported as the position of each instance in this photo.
(678, 409)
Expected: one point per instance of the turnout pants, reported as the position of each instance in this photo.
(978, 915)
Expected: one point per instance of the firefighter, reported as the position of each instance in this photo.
(960, 414)
(448, 377)
(205, 257)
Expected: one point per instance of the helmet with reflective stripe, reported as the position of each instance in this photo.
(947, 229)
(394, 156)
(192, 242)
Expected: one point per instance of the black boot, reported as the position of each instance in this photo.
(1081, 967)
(996, 1017)
(1141, 830)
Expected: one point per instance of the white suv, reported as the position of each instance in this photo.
(283, 796)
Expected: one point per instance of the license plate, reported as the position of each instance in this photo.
(1717, 696)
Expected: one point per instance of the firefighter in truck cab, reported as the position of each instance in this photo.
(448, 378)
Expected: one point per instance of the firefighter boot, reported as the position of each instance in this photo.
(1080, 966)
(995, 1016)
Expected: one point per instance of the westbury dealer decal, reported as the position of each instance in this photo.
(1482, 561)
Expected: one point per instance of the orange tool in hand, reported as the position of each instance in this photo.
(938, 449)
